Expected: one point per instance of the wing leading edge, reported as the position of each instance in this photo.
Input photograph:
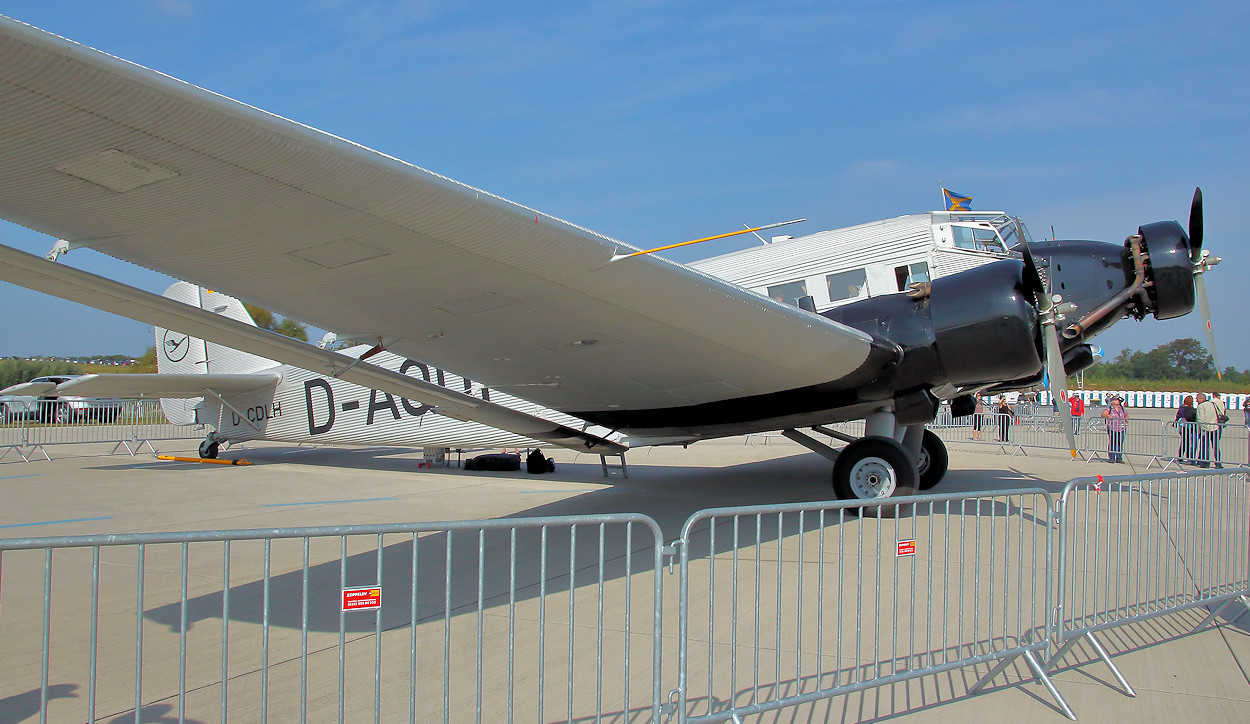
(109, 155)
(75, 285)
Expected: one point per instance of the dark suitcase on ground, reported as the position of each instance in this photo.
(494, 461)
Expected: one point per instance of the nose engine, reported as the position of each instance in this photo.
(1169, 270)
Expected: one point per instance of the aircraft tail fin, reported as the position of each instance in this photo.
(178, 353)
(181, 354)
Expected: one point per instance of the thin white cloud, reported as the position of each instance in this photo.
(1082, 110)
(177, 8)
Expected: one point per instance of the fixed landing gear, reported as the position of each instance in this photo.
(872, 468)
(878, 466)
(933, 461)
(209, 448)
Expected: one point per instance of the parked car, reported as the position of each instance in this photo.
(61, 409)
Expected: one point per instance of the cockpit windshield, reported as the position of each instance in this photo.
(997, 233)
(1007, 227)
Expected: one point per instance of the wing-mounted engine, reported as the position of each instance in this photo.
(973, 328)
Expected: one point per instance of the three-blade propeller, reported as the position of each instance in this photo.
(1050, 310)
(1203, 261)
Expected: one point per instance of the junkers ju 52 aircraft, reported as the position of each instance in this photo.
(100, 153)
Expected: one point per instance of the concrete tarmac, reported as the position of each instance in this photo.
(1177, 675)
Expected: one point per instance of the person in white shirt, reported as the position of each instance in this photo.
(1208, 431)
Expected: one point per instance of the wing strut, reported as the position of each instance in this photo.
(41, 275)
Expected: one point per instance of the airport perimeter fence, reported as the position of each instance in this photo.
(131, 425)
(567, 618)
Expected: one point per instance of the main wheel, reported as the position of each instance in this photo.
(873, 468)
(63, 414)
(209, 449)
(933, 461)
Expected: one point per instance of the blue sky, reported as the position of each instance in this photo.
(656, 122)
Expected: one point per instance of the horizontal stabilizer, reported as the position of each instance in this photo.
(165, 385)
(41, 275)
(29, 388)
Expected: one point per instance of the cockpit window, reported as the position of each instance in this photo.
(789, 292)
(977, 238)
(1007, 230)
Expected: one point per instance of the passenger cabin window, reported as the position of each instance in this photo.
(911, 273)
(977, 239)
(847, 285)
(789, 292)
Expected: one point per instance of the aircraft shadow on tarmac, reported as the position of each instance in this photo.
(668, 495)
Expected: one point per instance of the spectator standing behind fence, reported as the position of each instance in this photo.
(1186, 424)
(1245, 409)
(1208, 428)
(1117, 421)
(978, 415)
(1005, 416)
(1221, 418)
(1078, 411)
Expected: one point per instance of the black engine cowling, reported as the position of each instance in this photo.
(975, 327)
(1169, 266)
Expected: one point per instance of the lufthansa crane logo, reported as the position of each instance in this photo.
(175, 345)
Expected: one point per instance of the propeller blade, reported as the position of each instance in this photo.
(1032, 278)
(1059, 383)
(1195, 227)
(1200, 285)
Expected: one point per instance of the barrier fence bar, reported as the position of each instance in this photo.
(1131, 548)
(561, 618)
(129, 424)
(460, 621)
(784, 605)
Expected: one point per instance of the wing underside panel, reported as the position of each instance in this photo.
(112, 156)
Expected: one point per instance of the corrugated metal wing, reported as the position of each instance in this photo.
(110, 155)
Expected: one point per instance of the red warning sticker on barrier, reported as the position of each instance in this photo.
(907, 548)
(362, 599)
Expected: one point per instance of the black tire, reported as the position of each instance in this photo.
(62, 414)
(209, 449)
(933, 461)
(5, 415)
(873, 468)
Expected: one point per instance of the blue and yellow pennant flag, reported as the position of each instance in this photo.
(956, 202)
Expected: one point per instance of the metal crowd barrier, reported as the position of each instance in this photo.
(542, 619)
(1132, 548)
(785, 605)
(1158, 442)
(493, 621)
(133, 425)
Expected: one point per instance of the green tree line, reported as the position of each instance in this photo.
(17, 371)
(1179, 361)
(13, 372)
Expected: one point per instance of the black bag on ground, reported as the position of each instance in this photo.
(494, 461)
(535, 463)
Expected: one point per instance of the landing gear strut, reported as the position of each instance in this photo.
(878, 466)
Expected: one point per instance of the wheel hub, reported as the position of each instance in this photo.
(872, 477)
